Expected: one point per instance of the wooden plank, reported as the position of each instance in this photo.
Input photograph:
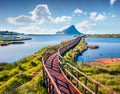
(50, 78)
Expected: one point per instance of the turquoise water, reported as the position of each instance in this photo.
(14, 52)
(108, 48)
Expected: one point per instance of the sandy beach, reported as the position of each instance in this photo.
(106, 61)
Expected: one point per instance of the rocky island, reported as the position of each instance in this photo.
(69, 31)
(11, 39)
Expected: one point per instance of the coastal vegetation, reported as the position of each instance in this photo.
(72, 54)
(108, 75)
(103, 35)
(26, 75)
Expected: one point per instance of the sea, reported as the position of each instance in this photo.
(14, 52)
(108, 47)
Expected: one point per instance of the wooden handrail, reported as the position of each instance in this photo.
(51, 79)
(94, 81)
(92, 92)
(52, 87)
(65, 48)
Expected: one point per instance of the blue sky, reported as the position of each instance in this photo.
(50, 16)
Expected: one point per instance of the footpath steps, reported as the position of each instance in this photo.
(64, 85)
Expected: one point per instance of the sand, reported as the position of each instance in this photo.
(106, 61)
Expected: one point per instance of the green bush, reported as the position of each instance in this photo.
(98, 70)
(33, 64)
(3, 77)
(8, 67)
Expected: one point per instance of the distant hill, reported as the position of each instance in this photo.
(8, 33)
(69, 31)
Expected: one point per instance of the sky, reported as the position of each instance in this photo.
(50, 16)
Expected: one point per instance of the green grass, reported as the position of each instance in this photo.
(72, 54)
(107, 75)
(26, 75)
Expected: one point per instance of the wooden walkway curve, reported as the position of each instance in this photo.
(65, 86)
(55, 80)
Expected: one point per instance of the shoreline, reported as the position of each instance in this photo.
(105, 61)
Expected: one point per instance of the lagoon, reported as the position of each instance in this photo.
(15, 52)
(108, 48)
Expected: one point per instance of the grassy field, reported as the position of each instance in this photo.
(26, 75)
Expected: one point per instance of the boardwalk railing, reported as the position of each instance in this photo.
(49, 82)
(64, 49)
(68, 46)
(69, 71)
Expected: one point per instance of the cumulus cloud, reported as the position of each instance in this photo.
(97, 17)
(85, 27)
(20, 20)
(62, 19)
(79, 11)
(100, 17)
(35, 30)
(39, 15)
(112, 2)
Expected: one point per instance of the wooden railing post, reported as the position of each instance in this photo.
(52, 89)
(67, 69)
(96, 88)
(85, 83)
(48, 85)
(71, 69)
(45, 78)
(77, 76)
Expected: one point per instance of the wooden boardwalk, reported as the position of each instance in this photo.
(57, 82)
(64, 85)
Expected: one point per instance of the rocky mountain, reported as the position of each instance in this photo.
(69, 31)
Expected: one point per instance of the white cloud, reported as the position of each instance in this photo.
(20, 20)
(39, 15)
(97, 17)
(112, 2)
(93, 15)
(35, 30)
(100, 17)
(62, 19)
(85, 27)
(78, 11)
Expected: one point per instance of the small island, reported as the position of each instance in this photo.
(7, 38)
(93, 46)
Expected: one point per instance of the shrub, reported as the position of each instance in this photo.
(98, 70)
(8, 67)
(33, 64)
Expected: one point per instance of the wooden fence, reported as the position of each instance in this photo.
(69, 72)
